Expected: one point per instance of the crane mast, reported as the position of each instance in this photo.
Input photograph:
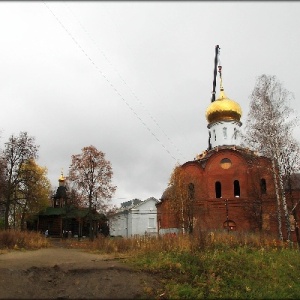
(213, 97)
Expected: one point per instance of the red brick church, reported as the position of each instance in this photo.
(232, 188)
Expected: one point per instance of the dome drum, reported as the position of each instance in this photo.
(229, 120)
(216, 116)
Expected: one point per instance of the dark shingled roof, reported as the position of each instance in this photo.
(70, 212)
(53, 211)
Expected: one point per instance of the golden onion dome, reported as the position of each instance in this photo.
(61, 178)
(223, 109)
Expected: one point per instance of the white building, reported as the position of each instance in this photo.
(139, 219)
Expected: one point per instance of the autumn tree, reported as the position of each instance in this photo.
(92, 174)
(75, 198)
(269, 130)
(32, 192)
(181, 193)
(17, 152)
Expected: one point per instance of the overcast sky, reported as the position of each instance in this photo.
(134, 78)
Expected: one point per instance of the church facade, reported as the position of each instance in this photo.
(231, 187)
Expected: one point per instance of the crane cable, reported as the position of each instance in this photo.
(108, 81)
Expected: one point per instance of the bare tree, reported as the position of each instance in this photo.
(182, 194)
(17, 152)
(91, 173)
(269, 126)
(2, 192)
(291, 162)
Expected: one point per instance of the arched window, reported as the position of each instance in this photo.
(236, 188)
(263, 186)
(215, 136)
(191, 188)
(235, 133)
(218, 189)
(225, 132)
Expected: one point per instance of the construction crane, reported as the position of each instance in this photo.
(217, 50)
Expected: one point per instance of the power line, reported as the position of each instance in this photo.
(123, 80)
(108, 81)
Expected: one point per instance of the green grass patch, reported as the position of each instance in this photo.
(239, 273)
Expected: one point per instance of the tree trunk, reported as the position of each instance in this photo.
(22, 221)
(6, 214)
(285, 209)
(91, 232)
(14, 215)
(294, 211)
(296, 226)
(182, 218)
(277, 201)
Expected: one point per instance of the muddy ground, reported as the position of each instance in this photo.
(62, 273)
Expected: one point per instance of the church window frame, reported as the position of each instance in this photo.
(218, 189)
(225, 132)
(263, 186)
(236, 189)
(151, 222)
(235, 133)
(191, 191)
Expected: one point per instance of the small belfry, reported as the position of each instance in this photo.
(62, 179)
(223, 116)
(60, 197)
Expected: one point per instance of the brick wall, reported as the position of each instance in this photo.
(248, 206)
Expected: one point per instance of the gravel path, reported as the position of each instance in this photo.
(62, 273)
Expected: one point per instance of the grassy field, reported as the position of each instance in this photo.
(210, 265)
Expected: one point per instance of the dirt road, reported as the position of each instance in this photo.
(62, 273)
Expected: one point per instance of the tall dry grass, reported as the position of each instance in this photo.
(179, 243)
(14, 239)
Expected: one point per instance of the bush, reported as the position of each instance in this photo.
(13, 239)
